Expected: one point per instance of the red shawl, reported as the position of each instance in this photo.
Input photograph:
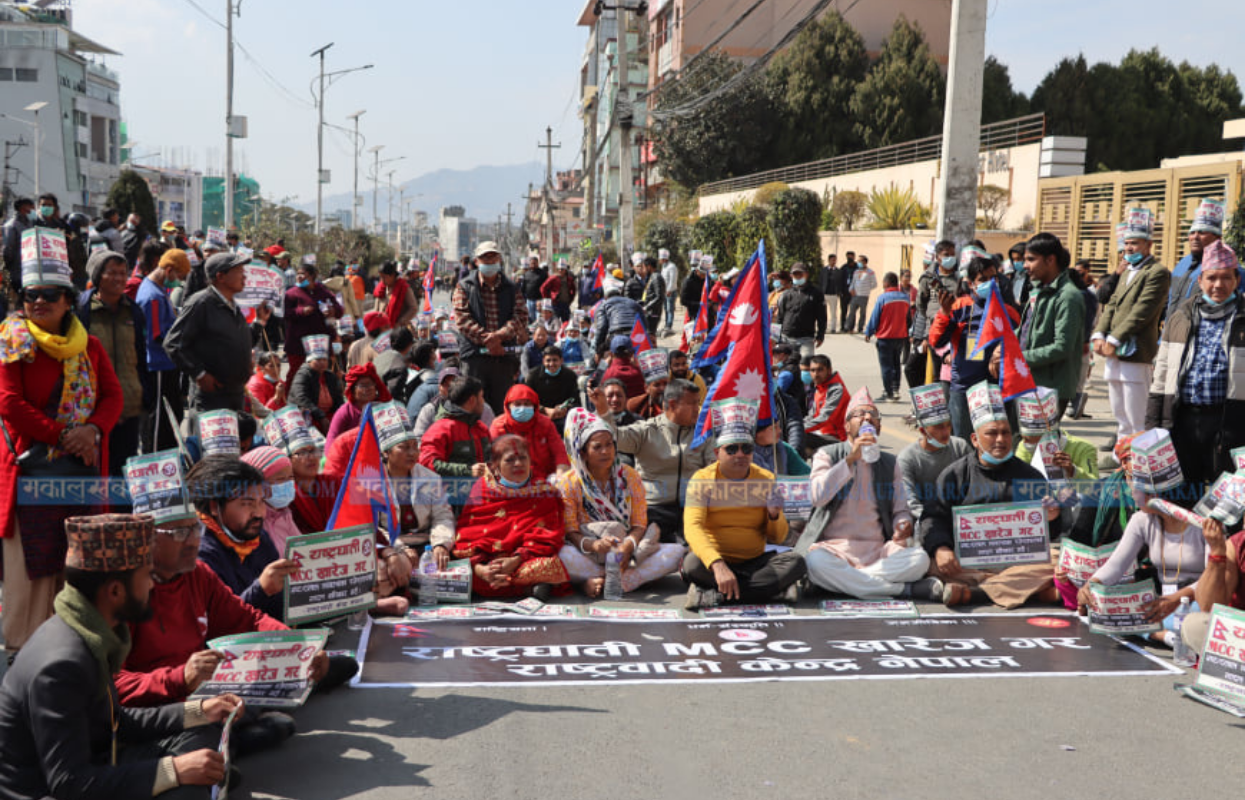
(393, 309)
(498, 521)
(311, 510)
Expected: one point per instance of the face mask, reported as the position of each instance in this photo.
(773, 285)
(1206, 299)
(304, 284)
(552, 373)
(990, 458)
(806, 377)
(46, 212)
(948, 262)
(489, 270)
(129, 226)
(522, 413)
(937, 445)
(509, 484)
(32, 217)
(799, 281)
(983, 290)
(1133, 258)
(1018, 266)
(233, 536)
(270, 379)
(282, 494)
(337, 347)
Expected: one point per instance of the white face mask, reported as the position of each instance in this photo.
(282, 494)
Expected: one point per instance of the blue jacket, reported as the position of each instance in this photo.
(242, 576)
(614, 314)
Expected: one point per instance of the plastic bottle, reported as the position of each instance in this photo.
(1182, 654)
(613, 576)
(428, 578)
(869, 452)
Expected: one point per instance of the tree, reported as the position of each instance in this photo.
(999, 101)
(752, 227)
(672, 234)
(901, 98)
(794, 218)
(848, 207)
(131, 195)
(715, 234)
(893, 208)
(717, 138)
(1234, 230)
(992, 203)
(764, 195)
(811, 85)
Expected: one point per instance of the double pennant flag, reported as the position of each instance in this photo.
(1015, 377)
(640, 340)
(430, 282)
(364, 497)
(741, 338)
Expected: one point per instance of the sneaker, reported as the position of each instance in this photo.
(270, 729)
(792, 594)
(698, 598)
(925, 589)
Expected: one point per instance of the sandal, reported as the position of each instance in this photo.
(594, 586)
(956, 594)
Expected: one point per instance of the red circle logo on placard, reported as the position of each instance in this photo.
(1048, 622)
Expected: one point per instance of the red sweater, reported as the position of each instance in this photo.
(189, 610)
(543, 442)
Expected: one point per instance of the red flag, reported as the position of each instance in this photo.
(640, 340)
(742, 338)
(430, 282)
(1015, 378)
(364, 497)
(598, 273)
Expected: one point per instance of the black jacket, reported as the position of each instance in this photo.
(54, 725)
(305, 391)
(531, 281)
(692, 290)
(802, 312)
(211, 336)
(845, 278)
(554, 390)
(132, 240)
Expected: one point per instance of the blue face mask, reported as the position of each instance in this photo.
(282, 494)
(799, 281)
(1206, 299)
(522, 413)
(990, 458)
(509, 484)
(489, 270)
(983, 290)
(948, 262)
(32, 217)
(337, 348)
(806, 377)
(1133, 258)
(937, 445)
(1019, 266)
(304, 284)
(552, 373)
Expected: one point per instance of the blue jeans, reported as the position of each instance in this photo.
(889, 352)
(961, 420)
(670, 311)
(532, 308)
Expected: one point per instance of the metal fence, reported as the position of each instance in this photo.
(995, 136)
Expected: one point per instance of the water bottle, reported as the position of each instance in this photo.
(428, 578)
(613, 576)
(1182, 654)
(869, 452)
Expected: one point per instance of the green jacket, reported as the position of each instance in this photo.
(1055, 319)
(1134, 310)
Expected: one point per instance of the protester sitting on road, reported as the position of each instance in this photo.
(859, 539)
(623, 367)
(604, 510)
(556, 386)
(615, 393)
(990, 474)
(361, 351)
(278, 473)
(664, 455)
(314, 493)
(424, 513)
(316, 389)
(827, 410)
(921, 462)
(776, 455)
(1221, 583)
(363, 386)
(266, 385)
(733, 510)
(534, 350)
(648, 405)
(786, 364)
(524, 417)
(457, 444)
(680, 367)
(511, 528)
(427, 411)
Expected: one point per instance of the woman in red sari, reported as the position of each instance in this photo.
(511, 528)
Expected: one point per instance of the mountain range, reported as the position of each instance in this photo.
(483, 191)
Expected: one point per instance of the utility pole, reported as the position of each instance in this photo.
(375, 182)
(961, 128)
(509, 244)
(228, 114)
(623, 107)
(389, 206)
(320, 142)
(549, 147)
(354, 198)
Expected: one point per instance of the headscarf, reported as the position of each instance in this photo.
(397, 298)
(368, 370)
(521, 392)
(612, 504)
(19, 338)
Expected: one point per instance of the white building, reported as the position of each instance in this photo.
(178, 194)
(457, 233)
(43, 60)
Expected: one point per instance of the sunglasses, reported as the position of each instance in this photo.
(732, 449)
(181, 533)
(48, 295)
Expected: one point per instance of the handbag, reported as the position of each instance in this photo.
(36, 463)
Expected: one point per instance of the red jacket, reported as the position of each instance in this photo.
(189, 610)
(451, 445)
(543, 442)
(629, 374)
(825, 419)
(25, 389)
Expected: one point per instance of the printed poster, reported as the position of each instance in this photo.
(1222, 666)
(1001, 535)
(1120, 609)
(267, 670)
(336, 574)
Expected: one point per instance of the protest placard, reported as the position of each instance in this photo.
(336, 574)
(453, 582)
(221, 790)
(930, 404)
(726, 612)
(268, 670)
(1044, 457)
(868, 608)
(1001, 535)
(597, 612)
(157, 487)
(1222, 666)
(1225, 500)
(1174, 511)
(1080, 561)
(1120, 609)
(216, 235)
(447, 341)
(797, 497)
(264, 284)
(218, 433)
(1155, 466)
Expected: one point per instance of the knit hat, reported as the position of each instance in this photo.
(157, 486)
(221, 263)
(96, 263)
(734, 420)
(1139, 224)
(861, 399)
(985, 404)
(177, 260)
(929, 404)
(267, 459)
(45, 258)
(109, 542)
(1209, 217)
(1218, 255)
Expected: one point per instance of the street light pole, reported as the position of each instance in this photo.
(228, 114)
(354, 198)
(320, 141)
(35, 108)
(389, 206)
(375, 181)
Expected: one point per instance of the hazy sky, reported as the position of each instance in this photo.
(461, 83)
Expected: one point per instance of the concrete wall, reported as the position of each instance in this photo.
(1013, 168)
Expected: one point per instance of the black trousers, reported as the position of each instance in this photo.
(914, 368)
(669, 519)
(760, 578)
(122, 443)
(168, 387)
(845, 300)
(188, 741)
(1200, 447)
(497, 373)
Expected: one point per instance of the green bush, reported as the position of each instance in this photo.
(794, 219)
(131, 195)
(670, 234)
(715, 234)
(752, 227)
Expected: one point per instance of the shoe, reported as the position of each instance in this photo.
(270, 729)
(698, 598)
(956, 594)
(925, 589)
(1109, 447)
(792, 594)
(341, 669)
(543, 592)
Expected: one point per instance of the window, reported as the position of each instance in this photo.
(81, 149)
(25, 75)
(6, 73)
(80, 118)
